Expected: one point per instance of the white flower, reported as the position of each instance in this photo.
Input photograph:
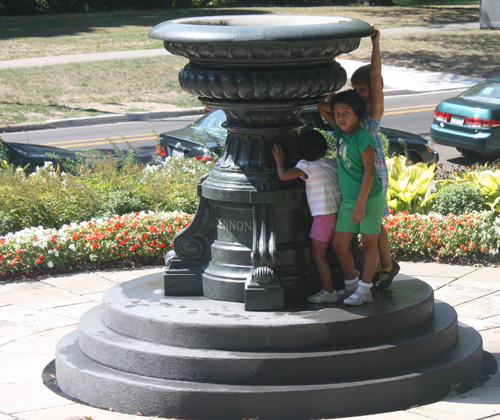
(50, 264)
(72, 247)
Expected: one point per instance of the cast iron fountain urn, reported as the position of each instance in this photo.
(249, 241)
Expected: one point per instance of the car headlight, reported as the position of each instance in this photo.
(428, 146)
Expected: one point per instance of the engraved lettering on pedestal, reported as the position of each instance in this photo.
(234, 225)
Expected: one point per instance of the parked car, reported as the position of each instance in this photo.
(207, 135)
(30, 156)
(470, 122)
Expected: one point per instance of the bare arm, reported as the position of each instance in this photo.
(285, 175)
(376, 105)
(368, 156)
(326, 112)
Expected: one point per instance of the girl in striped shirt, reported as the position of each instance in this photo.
(323, 198)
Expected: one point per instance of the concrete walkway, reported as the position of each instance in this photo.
(35, 315)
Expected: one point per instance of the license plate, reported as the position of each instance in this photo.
(178, 153)
(457, 120)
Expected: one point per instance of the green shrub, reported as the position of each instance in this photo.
(106, 187)
(119, 202)
(459, 198)
(8, 222)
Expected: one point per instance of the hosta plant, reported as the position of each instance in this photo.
(409, 186)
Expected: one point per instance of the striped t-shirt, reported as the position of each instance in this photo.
(322, 185)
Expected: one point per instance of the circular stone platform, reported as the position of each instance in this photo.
(193, 357)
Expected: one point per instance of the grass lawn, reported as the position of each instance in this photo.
(40, 93)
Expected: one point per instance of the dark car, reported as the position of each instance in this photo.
(207, 135)
(470, 122)
(29, 156)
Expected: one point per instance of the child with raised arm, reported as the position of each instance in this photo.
(323, 198)
(367, 82)
(362, 202)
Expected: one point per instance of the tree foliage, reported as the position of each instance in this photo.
(33, 7)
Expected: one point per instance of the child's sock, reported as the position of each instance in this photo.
(351, 285)
(384, 273)
(362, 289)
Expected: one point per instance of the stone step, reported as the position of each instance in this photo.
(101, 386)
(271, 367)
(138, 309)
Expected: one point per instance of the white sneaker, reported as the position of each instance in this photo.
(324, 297)
(358, 299)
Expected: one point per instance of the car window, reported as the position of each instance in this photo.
(486, 92)
(211, 123)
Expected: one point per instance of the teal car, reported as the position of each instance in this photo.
(470, 122)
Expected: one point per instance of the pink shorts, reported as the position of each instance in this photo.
(323, 227)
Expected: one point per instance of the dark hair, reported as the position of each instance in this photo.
(312, 145)
(361, 76)
(352, 99)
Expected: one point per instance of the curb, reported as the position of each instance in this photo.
(101, 119)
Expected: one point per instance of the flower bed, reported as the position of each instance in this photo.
(457, 238)
(143, 238)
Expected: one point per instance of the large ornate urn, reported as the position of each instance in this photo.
(249, 241)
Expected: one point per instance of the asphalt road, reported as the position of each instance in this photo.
(406, 112)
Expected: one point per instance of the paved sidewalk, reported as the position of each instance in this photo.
(35, 315)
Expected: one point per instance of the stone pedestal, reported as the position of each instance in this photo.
(198, 358)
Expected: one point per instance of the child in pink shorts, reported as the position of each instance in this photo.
(323, 198)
